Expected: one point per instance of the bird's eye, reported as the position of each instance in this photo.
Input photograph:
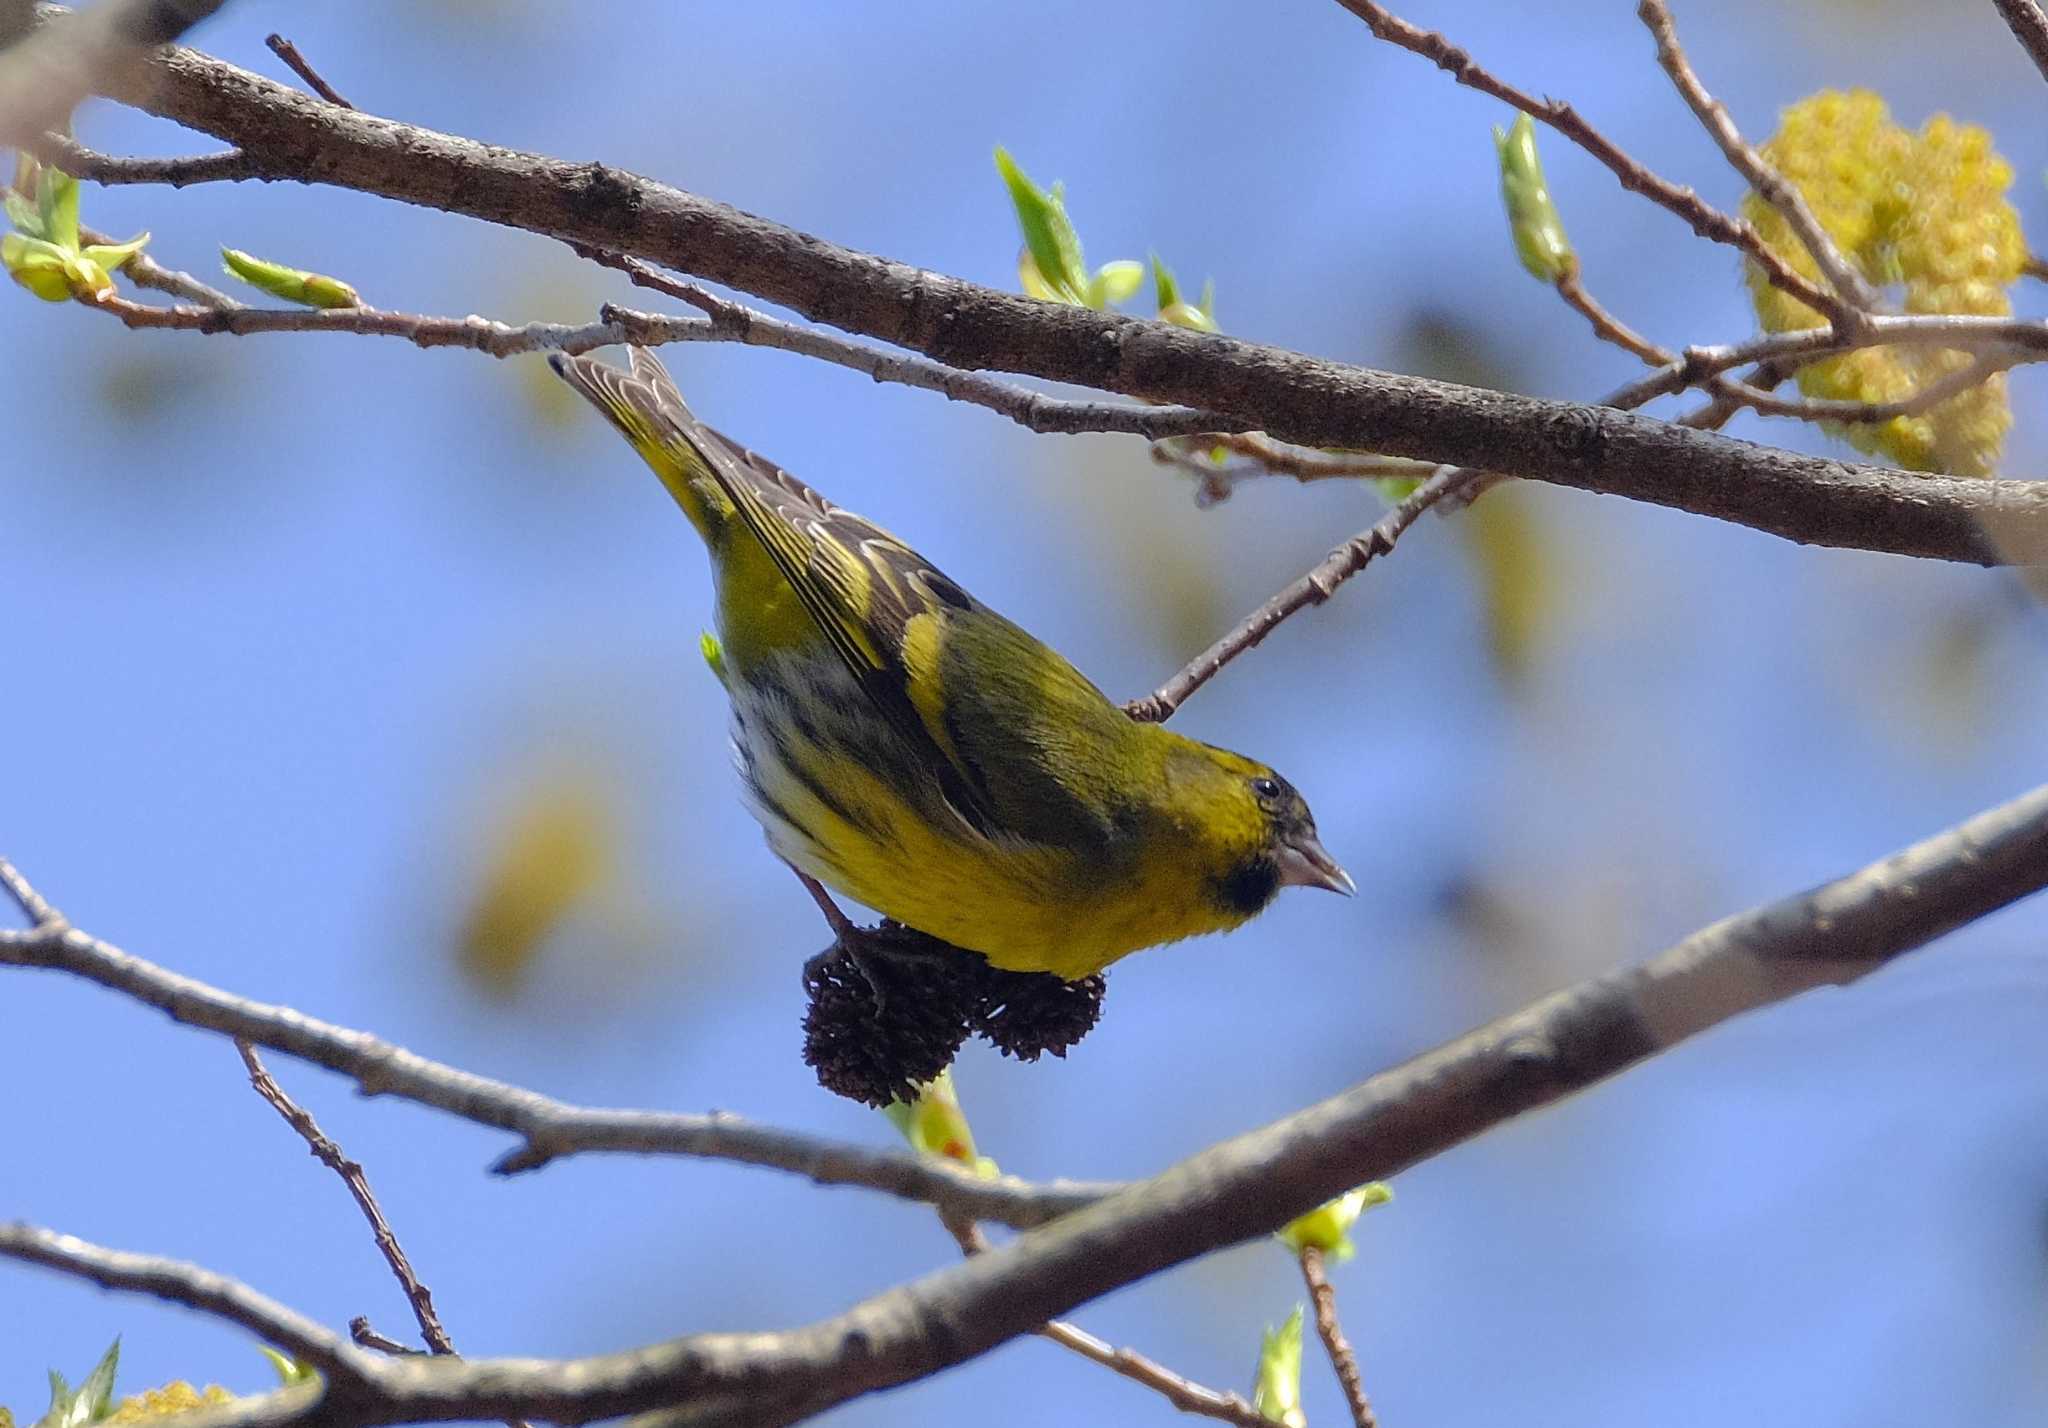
(1266, 788)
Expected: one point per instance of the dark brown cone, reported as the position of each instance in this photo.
(874, 1053)
(1026, 1014)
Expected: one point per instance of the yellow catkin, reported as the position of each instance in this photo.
(1924, 212)
(176, 1397)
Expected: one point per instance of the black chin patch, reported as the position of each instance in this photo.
(1249, 886)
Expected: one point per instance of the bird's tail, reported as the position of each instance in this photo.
(650, 413)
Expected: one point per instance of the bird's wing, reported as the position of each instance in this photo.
(864, 588)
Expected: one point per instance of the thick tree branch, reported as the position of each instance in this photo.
(549, 1128)
(1234, 1191)
(1307, 400)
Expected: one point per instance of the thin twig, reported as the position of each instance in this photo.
(1183, 1393)
(1313, 588)
(479, 334)
(188, 1284)
(1308, 463)
(1731, 394)
(1267, 457)
(285, 50)
(1857, 296)
(1606, 326)
(145, 272)
(180, 171)
(1962, 332)
(1714, 414)
(1725, 389)
(735, 322)
(1704, 219)
(2030, 27)
(330, 1155)
(366, 1337)
(34, 906)
(1342, 1359)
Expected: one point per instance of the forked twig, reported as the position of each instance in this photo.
(1704, 219)
(1183, 1393)
(351, 1172)
(1857, 296)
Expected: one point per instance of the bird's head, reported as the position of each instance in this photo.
(1250, 829)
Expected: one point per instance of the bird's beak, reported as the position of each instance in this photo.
(1305, 863)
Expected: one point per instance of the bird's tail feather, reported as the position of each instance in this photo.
(650, 413)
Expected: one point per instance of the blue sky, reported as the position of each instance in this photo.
(296, 619)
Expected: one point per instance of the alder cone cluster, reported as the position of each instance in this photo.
(890, 1012)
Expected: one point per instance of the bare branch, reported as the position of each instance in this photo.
(1342, 1358)
(1857, 295)
(480, 334)
(228, 166)
(1030, 409)
(1994, 336)
(549, 1129)
(285, 50)
(1264, 456)
(2030, 27)
(34, 906)
(364, 1336)
(1737, 394)
(1184, 1394)
(145, 272)
(1606, 326)
(187, 1284)
(1313, 588)
(1609, 328)
(351, 1172)
(1035, 411)
(1300, 399)
(1704, 219)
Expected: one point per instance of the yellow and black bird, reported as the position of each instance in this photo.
(905, 744)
